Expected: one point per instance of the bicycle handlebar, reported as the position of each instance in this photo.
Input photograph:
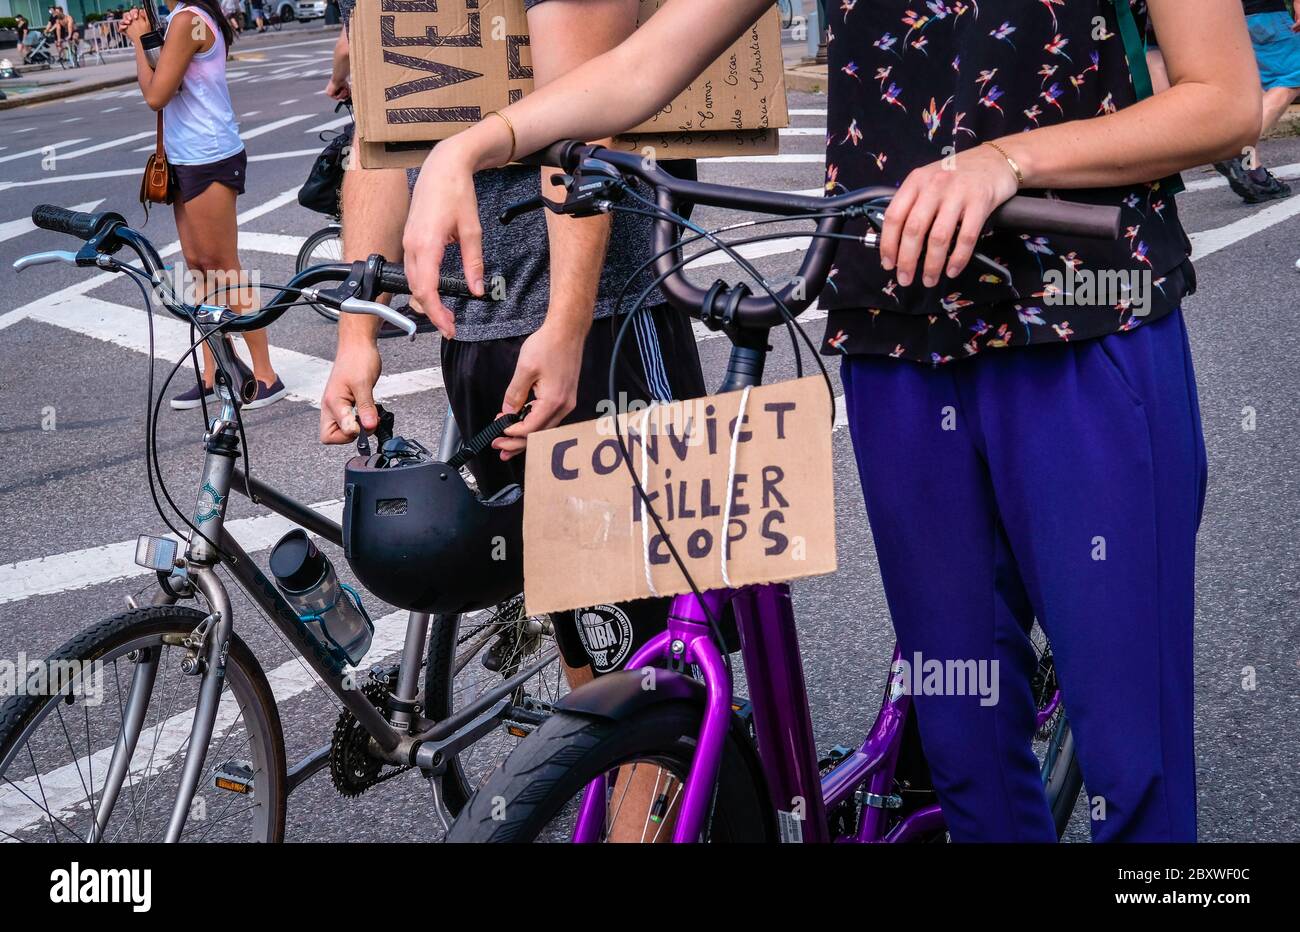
(110, 231)
(1020, 214)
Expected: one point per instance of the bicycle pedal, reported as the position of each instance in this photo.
(155, 553)
(518, 730)
(234, 776)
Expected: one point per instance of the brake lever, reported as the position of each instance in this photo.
(382, 311)
(44, 258)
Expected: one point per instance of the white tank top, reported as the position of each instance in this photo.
(199, 124)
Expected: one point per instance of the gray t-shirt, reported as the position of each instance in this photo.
(516, 259)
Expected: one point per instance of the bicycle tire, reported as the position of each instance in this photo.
(439, 700)
(552, 765)
(304, 261)
(1064, 780)
(20, 713)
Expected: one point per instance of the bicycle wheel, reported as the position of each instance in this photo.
(534, 794)
(1054, 741)
(323, 247)
(469, 655)
(57, 743)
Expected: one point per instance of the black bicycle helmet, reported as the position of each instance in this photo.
(420, 538)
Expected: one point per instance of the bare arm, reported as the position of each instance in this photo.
(1211, 112)
(187, 35)
(607, 95)
(565, 35)
(337, 87)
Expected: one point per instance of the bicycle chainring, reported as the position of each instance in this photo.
(353, 769)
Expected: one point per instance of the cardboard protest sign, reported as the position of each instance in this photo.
(424, 70)
(587, 539)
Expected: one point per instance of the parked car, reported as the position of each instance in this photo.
(284, 9)
(311, 9)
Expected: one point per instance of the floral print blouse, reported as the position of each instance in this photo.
(912, 81)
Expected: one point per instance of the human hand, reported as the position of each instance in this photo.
(943, 207)
(548, 367)
(338, 89)
(351, 385)
(444, 209)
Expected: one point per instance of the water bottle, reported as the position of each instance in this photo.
(330, 612)
(152, 43)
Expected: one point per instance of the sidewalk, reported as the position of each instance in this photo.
(32, 87)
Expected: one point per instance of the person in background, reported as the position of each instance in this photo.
(202, 141)
(1275, 35)
(259, 14)
(22, 27)
(233, 10)
(372, 203)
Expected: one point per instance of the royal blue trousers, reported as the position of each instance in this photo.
(1058, 482)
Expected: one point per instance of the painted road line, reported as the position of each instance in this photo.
(808, 111)
(23, 225)
(332, 124)
(273, 126)
(803, 131)
(280, 244)
(90, 283)
(124, 172)
(1207, 184)
(304, 376)
(94, 566)
(100, 147)
(1208, 242)
(43, 150)
(63, 790)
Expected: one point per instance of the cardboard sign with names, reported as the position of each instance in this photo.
(587, 539)
(424, 70)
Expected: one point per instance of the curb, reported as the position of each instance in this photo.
(808, 80)
(59, 92)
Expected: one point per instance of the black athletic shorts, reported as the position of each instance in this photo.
(193, 180)
(660, 363)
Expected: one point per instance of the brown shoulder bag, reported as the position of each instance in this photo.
(157, 186)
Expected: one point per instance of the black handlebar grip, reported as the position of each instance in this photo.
(1045, 215)
(562, 154)
(72, 222)
(392, 279)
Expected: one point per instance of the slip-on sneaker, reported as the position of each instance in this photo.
(267, 395)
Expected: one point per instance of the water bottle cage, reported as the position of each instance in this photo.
(332, 647)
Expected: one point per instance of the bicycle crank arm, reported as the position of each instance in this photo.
(432, 756)
(491, 708)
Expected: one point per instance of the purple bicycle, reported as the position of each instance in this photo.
(688, 760)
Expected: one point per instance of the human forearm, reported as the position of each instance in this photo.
(620, 88)
(1186, 126)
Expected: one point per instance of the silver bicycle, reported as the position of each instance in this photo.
(159, 723)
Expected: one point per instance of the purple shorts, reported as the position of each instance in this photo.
(193, 180)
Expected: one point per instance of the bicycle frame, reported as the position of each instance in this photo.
(801, 796)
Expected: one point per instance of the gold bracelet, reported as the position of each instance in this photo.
(1015, 166)
(514, 142)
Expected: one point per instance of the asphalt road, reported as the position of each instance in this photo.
(74, 354)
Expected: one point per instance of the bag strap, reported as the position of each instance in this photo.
(1135, 50)
(158, 144)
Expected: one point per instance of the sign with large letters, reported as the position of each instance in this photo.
(742, 496)
(425, 69)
